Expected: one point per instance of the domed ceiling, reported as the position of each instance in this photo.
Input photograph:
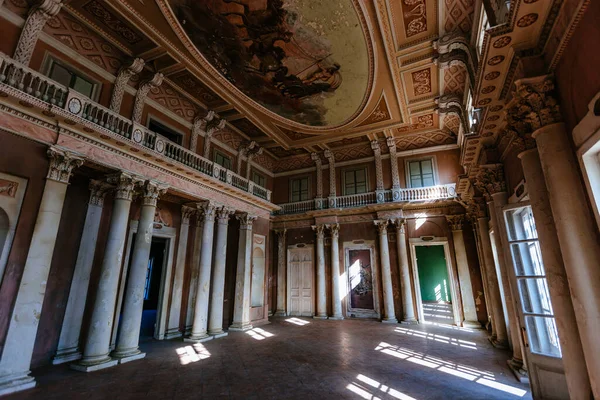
(305, 60)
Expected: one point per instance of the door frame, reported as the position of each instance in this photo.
(164, 232)
(437, 241)
(361, 312)
(288, 293)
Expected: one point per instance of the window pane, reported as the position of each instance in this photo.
(304, 183)
(83, 86)
(426, 167)
(543, 336)
(527, 258)
(535, 296)
(428, 180)
(349, 177)
(60, 74)
(360, 175)
(415, 168)
(416, 182)
(522, 224)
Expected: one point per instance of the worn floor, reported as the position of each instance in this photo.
(294, 358)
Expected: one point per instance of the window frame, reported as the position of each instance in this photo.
(151, 117)
(436, 179)
(225, 156)
(365, 168)
(308, 191)
(263, 177)
(51, 59)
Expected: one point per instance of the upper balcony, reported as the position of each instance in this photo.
(35, 88)
(408, 195)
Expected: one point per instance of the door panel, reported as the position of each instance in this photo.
(300, 282)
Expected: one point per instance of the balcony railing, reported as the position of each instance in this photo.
(432, 193)
(40, 87)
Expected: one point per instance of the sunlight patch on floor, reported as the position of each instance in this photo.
(367, 388)
(438, 338)
(460, 371)
(297, 321)
(259, 334)
(191, 354)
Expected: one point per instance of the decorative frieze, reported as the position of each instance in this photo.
(33, 27)
(62, 164)
(125, 73)
(456, 222)
(142, 93)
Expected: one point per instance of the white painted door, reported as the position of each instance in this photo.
(300, 281)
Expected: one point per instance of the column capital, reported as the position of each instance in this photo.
(381, 225)
(62, 163)
(213, 123)
(246, 220)
(206, 211)
(125, 73)
(280, 233)
(320, 231)
(335, 230)
(376, 148)
(125, 183)
(456, 222)
(151, 191)
(391, 144)
(186, 214)
(317, 159)
(98, 190)
(534, 104)
(400, 225)
(490, 179)
(223, 214)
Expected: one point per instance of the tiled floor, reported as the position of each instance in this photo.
(303, 358)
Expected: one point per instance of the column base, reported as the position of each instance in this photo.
(128, 356)
(16, 383)
(94, 366)
(62, 357)
(319, 316)
(499, 344)
(218, 334)
(516, 366)
(472, 324)
(280, 313)
(336, 317)
(240, 327)
(409, 322)
(198, 339)
(389, 321)
(172, 334)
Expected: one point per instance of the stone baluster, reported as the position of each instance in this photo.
(124, 75)
(34, 24)
(200, 324)
(391, 143)
(281, 273)
(241, 311)
(142, 93)
(321, 285)
(319, 195)
(336, 295)
(195, 269)
(23, 324)
(176, 296)
(332, 191)
(68, 343)
(386, 273)
(97, 344)
(379, 191)
(408, 307)
(215, 322)
(464, 276)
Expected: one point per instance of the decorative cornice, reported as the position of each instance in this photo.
(61, 164)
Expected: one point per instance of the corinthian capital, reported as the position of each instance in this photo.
(319, 230)
(151, 191)
(329, 156)
(534, 105)
(246, 220)
(223, 214)
(490, 179)
(381, 225)
(456, 221)
(125, 183)
(98, 190)
(62, 164)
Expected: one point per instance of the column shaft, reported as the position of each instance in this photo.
(408, 307)
(215, 322)
(68, 343)
(335, 274)
(321, 285)
(464, 277)
(195, 266)
(281, 273)
(386, 273)
(556, 278)
(241, 312)
(578, 238)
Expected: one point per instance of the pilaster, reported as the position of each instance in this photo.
(34, 24)
(321, 285)
(332, 186)
(336, 285)
(142, 93)
(379, 191)
(391, 143)
(319, 195)
(281, 273)
(124, 75)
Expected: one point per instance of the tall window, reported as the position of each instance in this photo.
(531, 282)
(355, 181)
(484, 25)
(222, 160)
(420, 173)
(258, 179)
(165, 131)
(299, 189)
(71, 79)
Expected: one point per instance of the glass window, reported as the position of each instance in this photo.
(299, 189)
(531, 282)
(355, 181)
(222, 160)
(258, 179)
(162, 130)
(483, 26)
(421, 173)
(71, 79)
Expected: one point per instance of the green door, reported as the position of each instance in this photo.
(433, 274)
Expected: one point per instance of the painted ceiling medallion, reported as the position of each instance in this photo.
(496, 108)
(485, 102)
(529, 1)
(488, 89)
(491, 76)
(527, 20)
(305, 60)
(495, 60)
(493, 118)
(502, 42)
(490, 126)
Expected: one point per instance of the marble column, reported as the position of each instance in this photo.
(281, 273)
(578, 238)
(23, 324)
(68, 343)
(556, 278)
(484, 279)
(34, 25)
(336, 295)
(408, 308)
(386, 273)
(97, 344)
(173, 330)
(241, 311)
(127, 348)
(464, 276)
(215, 321)
(195, 267)
(200, 325)
(500, 339)
(321, 285)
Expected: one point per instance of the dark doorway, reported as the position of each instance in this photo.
(158, 253)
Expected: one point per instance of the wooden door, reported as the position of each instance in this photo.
(300, 282)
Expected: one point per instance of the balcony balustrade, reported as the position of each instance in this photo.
(34, 85)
